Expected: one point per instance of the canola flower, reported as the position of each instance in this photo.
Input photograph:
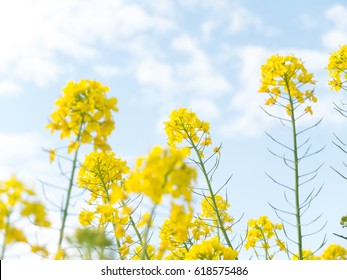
(175, 230)
(307, 255)
(19, 201)
(183, 124)
(337, 68)
(162, 172)
(334, 252)
(283, 78)
(211, 249)
(209, 213)
(103, 175)
(260, 232)
(83, 115)
(181, 230)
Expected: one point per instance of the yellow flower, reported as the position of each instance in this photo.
(209, 212)
(185, 125)
(150, 252)
(60, 255)
(17, 201)
(175, 229)
(284, 76)
(262, 230)
(40, 250)
(337, 68)
(86, 217)
(306, 255)
(85, 112)
(334, 252)
(162, 172)
(308, 109)
(101, 173)
(51, 155)
(211, 249)
(144, 220)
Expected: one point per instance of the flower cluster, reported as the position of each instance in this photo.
(283, 78)
(103, 174)
(337, 68)
(162, 172)
(307, 255)
(209, 211)
(211, 249)
(175, 229)
(334, 252)
(18, 199)
(185, 125)
(85, 112)
(261, 231)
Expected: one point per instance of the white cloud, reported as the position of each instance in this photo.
(18, 146)
(241, 19)
(206, 109)
(337, 36)
(36, 32)
(152, 72)
(233, 15)
(197, 75)
(9, 89)
(307, 21)
(107, 71)
(207, 28)
(163, 7)
(248, 120)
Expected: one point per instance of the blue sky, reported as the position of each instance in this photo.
(160, 55)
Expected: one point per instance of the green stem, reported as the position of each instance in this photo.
(130, 216)
(71, 181)
(109, 202)
(215, 207)
(144, 254)
(296, 173)
(138, 234)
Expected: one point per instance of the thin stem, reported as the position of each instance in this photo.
(71, 181)
(215, 207)
(144, 254)
(296, 172)
(109, 202)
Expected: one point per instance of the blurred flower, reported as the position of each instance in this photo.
(210, 249)
(162, 172)
(334, 252)
(337, 68)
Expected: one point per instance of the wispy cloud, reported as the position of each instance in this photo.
(36, 33)
(197, 74)
(9, 89)
(337, 36)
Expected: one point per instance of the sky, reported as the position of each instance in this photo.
(157, 56)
